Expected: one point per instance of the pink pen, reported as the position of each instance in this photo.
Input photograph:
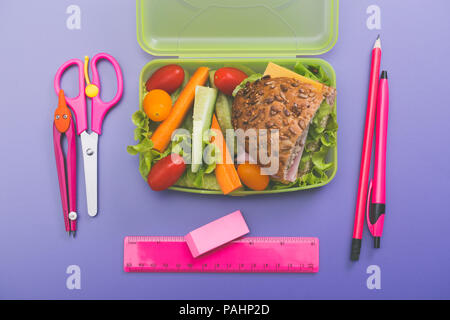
(377, 208)
(361, 198)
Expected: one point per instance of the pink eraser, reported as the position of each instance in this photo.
(216, 233)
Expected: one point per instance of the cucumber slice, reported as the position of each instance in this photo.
(223, 112)
(205, 100)
(211, 79)
(223, 106)
(223, 109)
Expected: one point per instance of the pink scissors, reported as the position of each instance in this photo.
(67, 175)
(99, 108)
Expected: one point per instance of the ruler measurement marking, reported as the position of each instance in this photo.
(291, 254)
(159, 239)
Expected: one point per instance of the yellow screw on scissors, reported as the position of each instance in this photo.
(91, 89)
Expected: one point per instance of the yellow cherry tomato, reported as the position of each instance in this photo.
(251, 176)
(157, 105)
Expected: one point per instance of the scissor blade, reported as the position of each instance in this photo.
(89, 144)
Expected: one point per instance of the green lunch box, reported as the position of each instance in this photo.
(218, 33)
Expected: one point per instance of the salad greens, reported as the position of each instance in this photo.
(252, 78)
(206, 181)
(313, 71)
(322, 137)
(142, 133)
(202, 179)
(195, 179)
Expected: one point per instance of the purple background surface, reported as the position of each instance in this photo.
(35, 250)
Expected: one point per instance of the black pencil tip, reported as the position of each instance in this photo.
(384, 74)
(378, 38)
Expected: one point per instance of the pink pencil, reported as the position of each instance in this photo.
(377, 208)
(366, 151)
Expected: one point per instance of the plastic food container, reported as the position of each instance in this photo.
(252, 33)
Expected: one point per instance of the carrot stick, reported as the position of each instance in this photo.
(226, 173)
(162, 135)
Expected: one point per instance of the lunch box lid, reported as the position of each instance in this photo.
(236, 28)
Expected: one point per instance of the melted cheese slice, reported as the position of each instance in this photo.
(276, 71)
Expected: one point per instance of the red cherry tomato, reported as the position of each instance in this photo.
(168, 78)
(166, 172)
(227, 79)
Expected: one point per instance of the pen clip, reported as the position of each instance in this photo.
(369, 194)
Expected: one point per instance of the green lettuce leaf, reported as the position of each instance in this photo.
(319, 159)
(305, 164)
(140, 119)
(332, 124)
(147, 155)
(145, 164)
(145, 145)
(210, 154)
(282, 186)
(313, 71)
(320, 121)
(252, 78)
(206, 182)
(316, 176)
(322, 135)
(197, 179)
(329, 138)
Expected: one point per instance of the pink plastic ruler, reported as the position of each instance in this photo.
(272, 254)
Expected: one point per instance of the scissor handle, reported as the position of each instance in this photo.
(99, 107)
(77, 104)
